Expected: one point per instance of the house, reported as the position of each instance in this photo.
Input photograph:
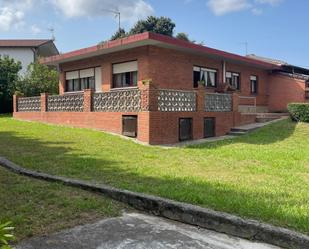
(163, 90)
(27, 51)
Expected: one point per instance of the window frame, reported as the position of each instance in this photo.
(80, 80)
(239, 77)
(256, 86)
(132, 83)
(208, 70)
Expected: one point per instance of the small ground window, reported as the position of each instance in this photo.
(209, 127)
(185, 129)
(129, 126)
(254, 84)
(233, 79)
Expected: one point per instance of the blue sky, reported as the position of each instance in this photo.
(272, 28)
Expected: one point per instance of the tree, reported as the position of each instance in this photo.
(38, 79)
(8, 77)
(121, 33)
(183, 36)
(160, 25)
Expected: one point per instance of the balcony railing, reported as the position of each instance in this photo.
(176, 101)
(218, 102)
(29, 104)
(117, 101)
(65, 103)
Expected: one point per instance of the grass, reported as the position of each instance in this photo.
(263, 175)
(39, 208)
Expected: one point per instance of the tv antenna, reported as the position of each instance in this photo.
(52, 31)
(246, 46)
(117, 14)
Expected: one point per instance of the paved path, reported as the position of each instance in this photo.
(135, 230)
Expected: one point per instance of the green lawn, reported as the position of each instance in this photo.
(38, 208)
(264, 175)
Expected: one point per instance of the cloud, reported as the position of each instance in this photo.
(35, 29)
(271, 2)
(221, 7)
(12, 13)
(130, 10)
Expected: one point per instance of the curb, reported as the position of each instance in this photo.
(182, 212)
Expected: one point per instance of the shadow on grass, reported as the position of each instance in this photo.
(60, 159)
(272, 133)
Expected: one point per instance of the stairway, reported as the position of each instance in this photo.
(262, 119)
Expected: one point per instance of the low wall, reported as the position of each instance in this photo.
(105, 121)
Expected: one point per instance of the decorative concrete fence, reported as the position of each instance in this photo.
(176, 101)
(29, 104)
(117, 101)
(218, 102)
(65, 103)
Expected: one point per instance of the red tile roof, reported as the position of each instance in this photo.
(23, 43)
(135, 40)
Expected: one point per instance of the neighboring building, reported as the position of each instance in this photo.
(27, 51)
(163, 90)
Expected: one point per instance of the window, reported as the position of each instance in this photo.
(125, 74)
(206, 75)
(80, 80)
(233, 79)
(254, 84)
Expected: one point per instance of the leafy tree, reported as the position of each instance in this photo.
(8, 76)
(38, 79)
(183, 36)
(121, 33)
(160, 25)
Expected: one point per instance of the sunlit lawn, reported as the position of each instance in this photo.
(263, 175)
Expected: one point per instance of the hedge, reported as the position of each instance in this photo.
(299, 111)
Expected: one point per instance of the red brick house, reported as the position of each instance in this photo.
(163, 90)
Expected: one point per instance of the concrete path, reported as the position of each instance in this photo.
(135, 230)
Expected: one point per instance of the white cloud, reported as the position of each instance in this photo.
(35, 29)
(221, 7)
(271, 2)
(12, 13)
(131, 10)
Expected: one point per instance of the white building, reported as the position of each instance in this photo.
(27, 51)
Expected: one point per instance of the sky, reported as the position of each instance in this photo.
(271, 28)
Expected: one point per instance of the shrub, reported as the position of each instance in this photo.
(5, 235)
(299, 111)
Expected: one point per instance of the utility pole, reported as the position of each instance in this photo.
(117, 14)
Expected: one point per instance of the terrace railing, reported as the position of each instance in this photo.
(117, 101)
(29, 104)
(218, 102)
(65, 103)
(176, 101)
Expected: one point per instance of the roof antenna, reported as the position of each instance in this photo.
(52, 31)
(246, 47)
(117, 14)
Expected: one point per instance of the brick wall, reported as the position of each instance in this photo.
(283, 90)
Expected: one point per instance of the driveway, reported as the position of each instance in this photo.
(135, 230)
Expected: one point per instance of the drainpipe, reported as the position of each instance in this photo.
(223, 72)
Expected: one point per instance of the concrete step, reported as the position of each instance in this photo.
(237, 133)
(265, 119)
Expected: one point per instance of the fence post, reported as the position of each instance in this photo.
(235, 102)
(200, 98)
(15, 104)
(87, 100)
(149, 97)
(44, 97)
